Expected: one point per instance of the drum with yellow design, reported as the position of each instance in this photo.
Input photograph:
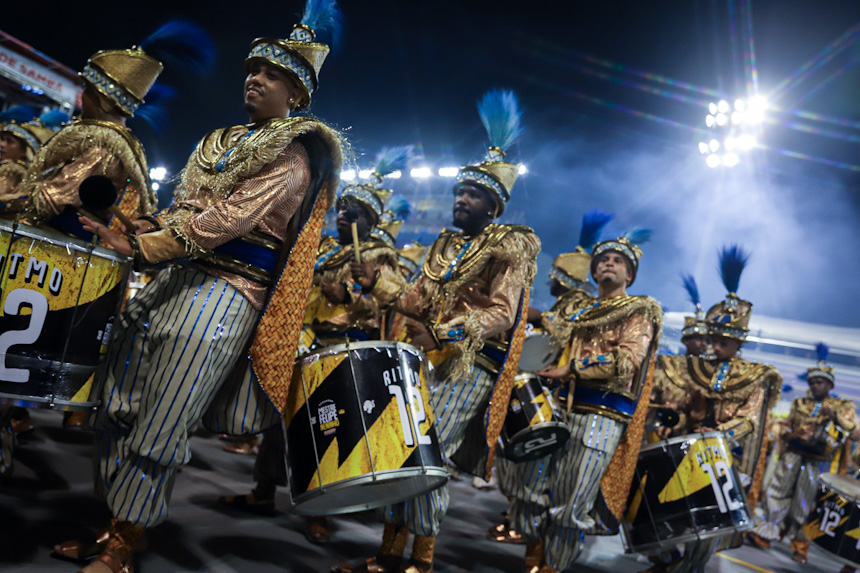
(684, 489)
(58, 296)
(533, 427)
(360, 430)
(834, 524)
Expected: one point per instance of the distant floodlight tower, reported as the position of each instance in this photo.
(734, 129)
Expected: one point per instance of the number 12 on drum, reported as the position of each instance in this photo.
(418, 414)
(725, 492)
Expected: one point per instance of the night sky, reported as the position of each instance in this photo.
(614, 96)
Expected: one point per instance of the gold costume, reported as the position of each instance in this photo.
(364, 309)
(11, 174)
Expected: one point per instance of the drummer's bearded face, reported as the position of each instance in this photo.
(269, 92)
(725, 348)
(11, 148)
(473, 209)
(819, 387)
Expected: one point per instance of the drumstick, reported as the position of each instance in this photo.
(352, 214)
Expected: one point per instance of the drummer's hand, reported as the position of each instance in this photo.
(704, 429)
(335, 293)
(556, 373)
(663, 432)
(827, 412)
(118, 242)
(362, 272)
(698, 407)
(142, 226)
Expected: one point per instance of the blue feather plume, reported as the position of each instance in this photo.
(324, 15)
(54, 119)
(500, 113)
(182, 44)
(392, 159)
(400, 207)
(19, 114)
(822, 351)
(592, 224)
(154, 110)
(638, 236)
(733, 259)
(692, 289)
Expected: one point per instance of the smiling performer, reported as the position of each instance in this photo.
(472, 293)
(819, 430)
(610, 355)
(247, 218)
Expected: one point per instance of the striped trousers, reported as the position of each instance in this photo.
(177, 343)
(791, 494)
(457, 405)
(554, 496)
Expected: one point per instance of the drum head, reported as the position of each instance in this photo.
(539, 351)
(843, 485)
(536, 442)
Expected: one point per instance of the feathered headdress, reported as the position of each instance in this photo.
(182, 45)
(572, 269)
(54, 119)
(154, 111)
(371, 193)
(30, 129)
(500, 113)
(731, 317)
(592, 225)
(627, 245)
(822, 369)
(19, 114)
(396, 212)
(693, 325)
(299, 55)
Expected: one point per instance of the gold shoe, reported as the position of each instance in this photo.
(369, 566)
(758, 540)
(246, 446)
(109, 562)
(503, 533)
(81, 551)
(318, 530)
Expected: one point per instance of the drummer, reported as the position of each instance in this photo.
(819, 430)
(181, 336)
(724, 393)
(612, 343)
(473, 288)
(347, 301)
(569, 283)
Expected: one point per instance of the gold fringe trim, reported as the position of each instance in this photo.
(77, 138)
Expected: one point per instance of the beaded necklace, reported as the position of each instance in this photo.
(222, 163)
(456, 260)
(579, 313)
(721, 376)
(816, 409)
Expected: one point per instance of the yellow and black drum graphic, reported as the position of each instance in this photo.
(58, 297)
(684, 488)
(533, 427)
(834, 525)
(360, 428)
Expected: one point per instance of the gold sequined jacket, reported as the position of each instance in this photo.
(813, 435)
(242, 182)
(556, 321)
(737, 396)
(476, 282)
(88, 147)
(364, 309)
(11, 174)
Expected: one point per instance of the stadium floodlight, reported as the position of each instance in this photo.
(740, 104)
(420, 172)
(394, 175)
(713, 160)
(522, 169)
(710, 120)
(722, 119)
(703, 148)
(448, 171)
(712, 107)
(364, 173)
(737, 117)
(729, 143)
(158, 173)
(730, 159)
(347, 175)
(723, 106)
(714, 145)
(155, 186)
(746, 142)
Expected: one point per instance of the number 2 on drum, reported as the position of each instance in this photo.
(725, 499)
(12, 307)
(831, 520)
(418, 414)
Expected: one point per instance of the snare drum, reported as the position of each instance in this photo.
(834, 524)
(360, 430)
(59, 296)
(533, 427)
(684, 489)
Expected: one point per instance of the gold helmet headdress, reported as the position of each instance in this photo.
(693, 325)
(572, 269)
(126, 76)
(410, 256)
(822, 369)
(627, 246)
(37, 131)
(371, 194)
(500, 114)
(392, 219)
(731, 317)
(299, 55)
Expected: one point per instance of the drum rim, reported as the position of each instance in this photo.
(347, 346)
(628, 548)
(557, 348)
(829, 478)
(60, 240)
(683, 438)
(540, 426)
(388, 475)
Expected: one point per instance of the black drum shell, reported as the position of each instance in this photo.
(533, 426)
(836, 513)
